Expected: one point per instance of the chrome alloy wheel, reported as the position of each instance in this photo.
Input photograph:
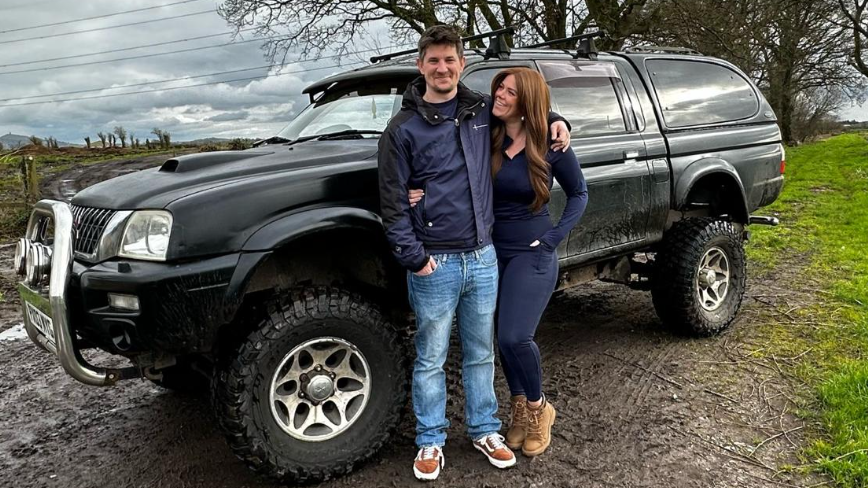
(320, 389)
(712, 278)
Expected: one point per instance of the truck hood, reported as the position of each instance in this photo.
(186, 175)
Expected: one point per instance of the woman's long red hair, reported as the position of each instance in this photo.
(533, 103)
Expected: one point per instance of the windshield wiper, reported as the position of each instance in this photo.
(352, 133)
(271, 140)
(302, 139)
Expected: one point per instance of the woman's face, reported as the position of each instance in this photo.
(506, 100)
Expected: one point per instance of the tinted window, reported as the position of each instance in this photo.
(480, 80)
(696, 93)
(586, 95)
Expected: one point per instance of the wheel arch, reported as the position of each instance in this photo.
(343, 247)
(712, 187)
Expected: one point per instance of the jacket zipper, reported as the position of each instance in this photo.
(424, 206)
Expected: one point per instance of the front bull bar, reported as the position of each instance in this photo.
(55, 301)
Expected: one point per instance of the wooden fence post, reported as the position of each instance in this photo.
(31, 179)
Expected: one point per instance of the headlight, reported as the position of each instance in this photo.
(146, 235)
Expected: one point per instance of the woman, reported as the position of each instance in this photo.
(523, 168)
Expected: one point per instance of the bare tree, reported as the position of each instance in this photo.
(790, 48)
(163, 136)
(813, 111)
(87, 141)
(102, 138)
(159, 133)
(852, 15)
(621, 19)
(36, 141)
(147, 143)
(137, 142)
(315, 25)
(132, 140)
(122, 135)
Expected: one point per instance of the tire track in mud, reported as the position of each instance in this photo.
(636, 368)
(645, 378)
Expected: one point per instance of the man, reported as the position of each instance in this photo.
(440, 142)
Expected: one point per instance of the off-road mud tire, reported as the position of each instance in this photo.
(241, 396)
(674, 289)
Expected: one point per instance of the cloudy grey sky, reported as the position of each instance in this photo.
(253, 108)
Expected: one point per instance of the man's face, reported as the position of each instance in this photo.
(441, 68)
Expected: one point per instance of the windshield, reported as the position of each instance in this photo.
(350, 112)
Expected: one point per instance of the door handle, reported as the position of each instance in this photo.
(631, 154)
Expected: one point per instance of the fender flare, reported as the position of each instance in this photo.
(284, 230)
(278, 233)
(701, 168)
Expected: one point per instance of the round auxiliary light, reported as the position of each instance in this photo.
(31, 264)
(21, 256)
(38, 263)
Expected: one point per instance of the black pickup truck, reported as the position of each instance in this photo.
(267, 270)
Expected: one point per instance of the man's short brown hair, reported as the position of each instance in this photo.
(443, 35)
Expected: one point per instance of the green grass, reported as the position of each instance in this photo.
(824, 215)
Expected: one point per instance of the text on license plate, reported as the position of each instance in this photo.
(41, 321)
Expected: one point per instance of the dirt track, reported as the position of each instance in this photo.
(64, 185)
(637, 406)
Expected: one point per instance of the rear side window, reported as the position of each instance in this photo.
(480, 80)
(588, 95)
(697, 93)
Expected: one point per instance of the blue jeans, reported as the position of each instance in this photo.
(466, 284)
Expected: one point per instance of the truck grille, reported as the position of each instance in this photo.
(88, 225)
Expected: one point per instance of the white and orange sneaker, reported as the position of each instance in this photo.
(428, 463)
(495, 450)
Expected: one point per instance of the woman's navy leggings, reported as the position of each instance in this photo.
(527, 280)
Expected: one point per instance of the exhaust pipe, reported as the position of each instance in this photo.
(763, 220)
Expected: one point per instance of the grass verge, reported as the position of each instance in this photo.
(824, 215)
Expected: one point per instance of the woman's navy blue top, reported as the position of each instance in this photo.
(515, 225)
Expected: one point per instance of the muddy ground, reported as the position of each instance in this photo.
(637, 406)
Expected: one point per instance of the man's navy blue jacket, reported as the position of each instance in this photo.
(421, 148)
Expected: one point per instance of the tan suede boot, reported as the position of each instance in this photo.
(539, 429)
(517, 422)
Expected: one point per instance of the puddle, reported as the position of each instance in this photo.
(14, 334)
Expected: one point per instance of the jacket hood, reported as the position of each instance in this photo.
(413, 100)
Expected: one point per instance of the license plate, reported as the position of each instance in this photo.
(41, 321)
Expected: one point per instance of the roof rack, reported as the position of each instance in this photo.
(497, 45)
(586, 48)
(662, 49)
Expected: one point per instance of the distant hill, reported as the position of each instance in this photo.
(12, 141)
(207, 140)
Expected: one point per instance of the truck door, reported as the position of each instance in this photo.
(611, 152)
